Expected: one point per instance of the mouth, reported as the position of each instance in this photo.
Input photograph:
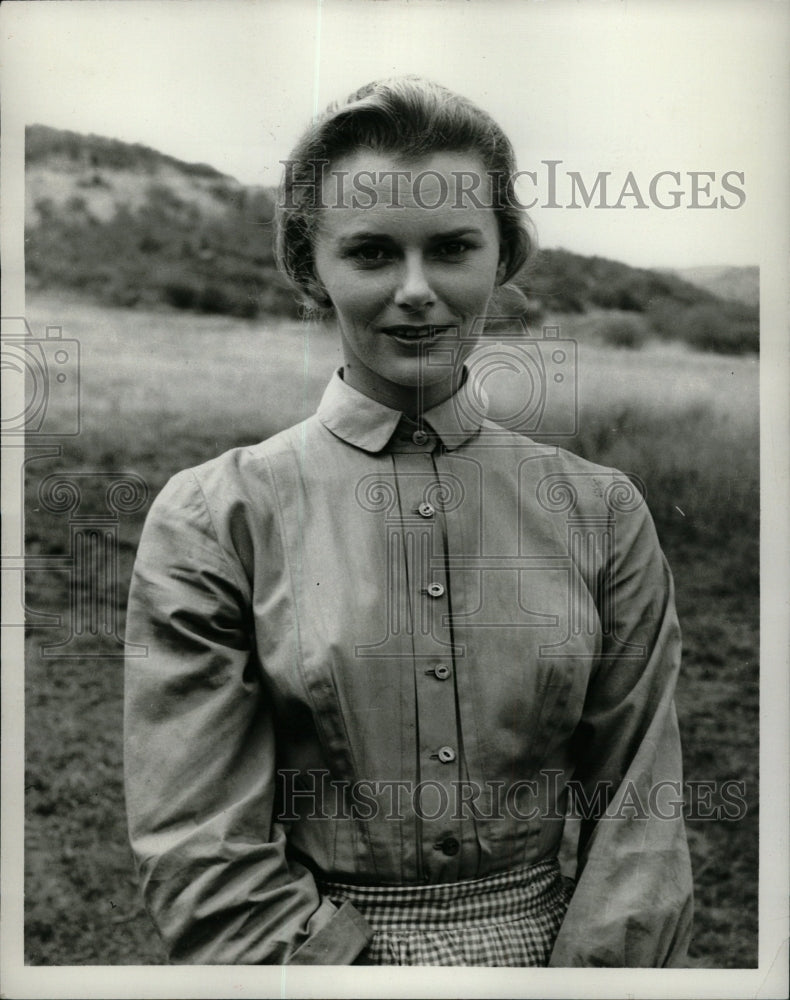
(413, 334)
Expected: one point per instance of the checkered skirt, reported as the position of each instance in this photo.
(507, 919)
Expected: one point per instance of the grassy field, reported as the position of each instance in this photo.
(163, 391)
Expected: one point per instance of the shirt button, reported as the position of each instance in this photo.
(426, 510)
(449, 846)
(446, 755)
(442, 671)
(420, 437)
(434, 589)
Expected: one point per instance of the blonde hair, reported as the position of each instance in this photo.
(408, 116)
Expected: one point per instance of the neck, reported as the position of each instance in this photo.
(410, 400)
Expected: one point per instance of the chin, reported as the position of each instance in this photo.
(412, 376)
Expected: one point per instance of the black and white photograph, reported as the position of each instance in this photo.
(395, 482)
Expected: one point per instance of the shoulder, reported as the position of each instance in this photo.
(234, 499)
(243, 472)
(561, 481)
(227, 505)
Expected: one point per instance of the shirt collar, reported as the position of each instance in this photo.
(365, 423)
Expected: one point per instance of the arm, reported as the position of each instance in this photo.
(200, 760)
(632, 906)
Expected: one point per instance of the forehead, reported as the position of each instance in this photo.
(400, 196)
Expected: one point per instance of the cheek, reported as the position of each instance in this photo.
(470, 287)
(358, 299)
(470, 292)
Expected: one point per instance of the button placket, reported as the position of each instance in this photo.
(446, 755)
(441, 671)
(435, 702)
(450, 846)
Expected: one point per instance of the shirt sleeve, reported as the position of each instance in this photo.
(632, 905)
(200, 760)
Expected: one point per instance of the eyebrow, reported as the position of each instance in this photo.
(449, 234)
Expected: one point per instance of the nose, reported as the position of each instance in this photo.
(414, 291)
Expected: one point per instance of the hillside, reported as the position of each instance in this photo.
(130, 226)
(738, 284)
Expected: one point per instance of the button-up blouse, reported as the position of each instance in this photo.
(377, 651)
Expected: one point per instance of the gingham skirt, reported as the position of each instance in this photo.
(507, 919)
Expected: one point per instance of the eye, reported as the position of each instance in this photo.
(453, 249)
(369, 254)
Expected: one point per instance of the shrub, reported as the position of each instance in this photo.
(617, 296)
(624, 330)
(246, 306)
(150, 244)
(213, 299)
(126, 296)
(180, 294)
(721, 327)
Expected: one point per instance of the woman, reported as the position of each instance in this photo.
(389, 647)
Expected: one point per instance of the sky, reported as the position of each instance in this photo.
(639, 90)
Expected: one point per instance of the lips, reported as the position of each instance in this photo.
(413, 333)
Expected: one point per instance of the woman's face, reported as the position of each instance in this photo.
(407, 280)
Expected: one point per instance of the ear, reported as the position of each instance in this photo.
(501, 270)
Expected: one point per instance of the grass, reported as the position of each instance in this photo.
(161, 391)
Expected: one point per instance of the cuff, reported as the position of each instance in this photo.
(338, 942)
